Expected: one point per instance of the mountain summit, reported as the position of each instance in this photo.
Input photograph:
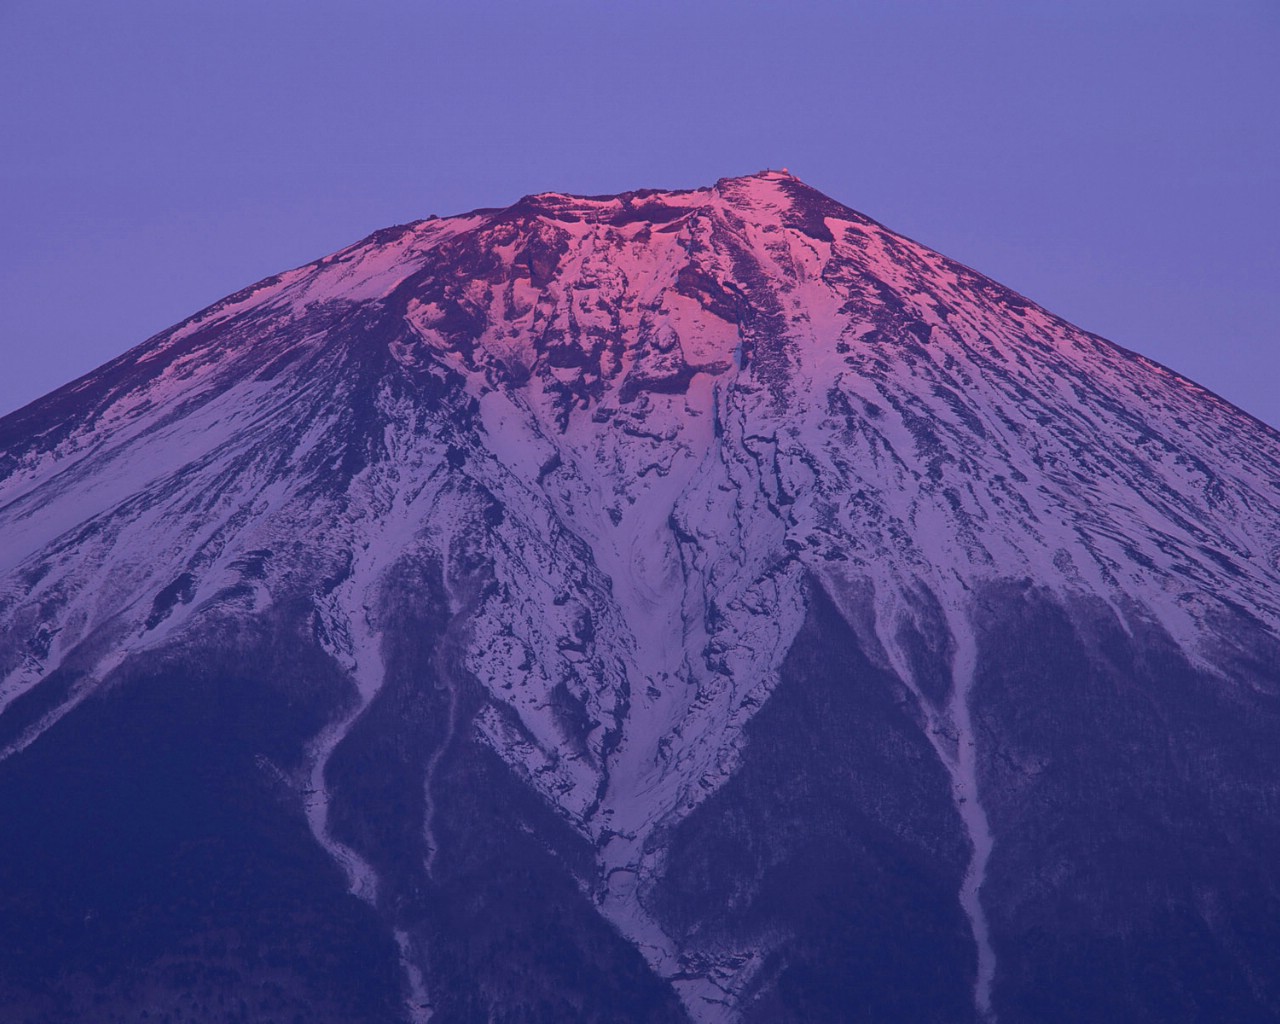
(676, 606)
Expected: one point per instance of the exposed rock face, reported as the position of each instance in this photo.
(675, 606)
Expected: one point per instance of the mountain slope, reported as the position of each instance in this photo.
(709, 603)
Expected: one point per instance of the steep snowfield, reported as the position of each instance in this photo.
(634, 430)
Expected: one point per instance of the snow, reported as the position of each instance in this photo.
(360, 654)
(418, 1001)
(968, 798)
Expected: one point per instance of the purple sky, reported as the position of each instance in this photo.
(1115, 161)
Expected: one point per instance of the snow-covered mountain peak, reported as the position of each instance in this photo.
(629, 364)
(633, 438)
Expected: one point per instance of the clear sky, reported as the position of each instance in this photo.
(1115, 161)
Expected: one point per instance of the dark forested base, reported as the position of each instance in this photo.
(1133, 797)
(154, 868)
(156, 864)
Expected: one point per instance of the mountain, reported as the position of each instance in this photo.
(677, 606)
